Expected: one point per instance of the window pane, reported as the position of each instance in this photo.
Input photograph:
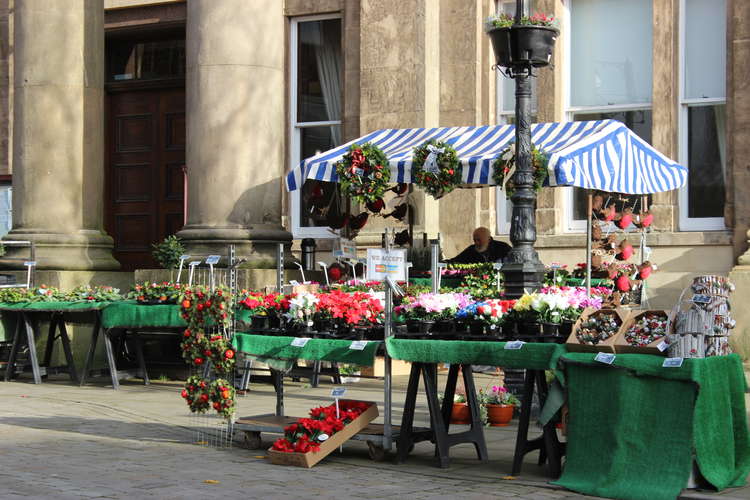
(706, 161)
(319, 71)
(610, 52)
(705, 48)
(317, 199)
(127, 60)
(639, 121)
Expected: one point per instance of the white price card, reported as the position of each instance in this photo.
(663, 346)
(672, 363)
(514, 344)
(300, 341)
(213, 259)
(358, 345)
(184, 257)
(323, 437)
(194, 263)
(337, 392)
(605, 357)
(29, 263)
(294, 282)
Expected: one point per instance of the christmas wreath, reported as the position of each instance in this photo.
(504, 166)
(435, 168)
(201, 305)
(363, 173)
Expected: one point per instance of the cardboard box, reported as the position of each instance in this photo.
(327, 447)
(607, 345)
(623, 347)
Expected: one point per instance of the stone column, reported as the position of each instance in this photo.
(235, 127)
(58, 135)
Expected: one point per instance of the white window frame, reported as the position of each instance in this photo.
(501, 205)
(685, 222)
(579, 225)
(295, 130)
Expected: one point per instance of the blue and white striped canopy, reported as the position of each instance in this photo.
(603, 155)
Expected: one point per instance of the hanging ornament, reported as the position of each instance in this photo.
(376, 206)
(623, 283)
(626, 250)
(626, 219)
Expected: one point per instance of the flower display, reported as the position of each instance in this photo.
(647, 328)
(352, 308)
(498, 395)
(156, 293)
(93, 294)
(432, 306)
(490, 312)
(306, 434)
(42, 293)
(364, 174)
(599, 326)
(253, 302)
(200, 305)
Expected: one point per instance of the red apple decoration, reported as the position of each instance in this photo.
(376, 206)
(623, 283)
(625, 221)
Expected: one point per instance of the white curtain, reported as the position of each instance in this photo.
(721, 136)
(328, 56)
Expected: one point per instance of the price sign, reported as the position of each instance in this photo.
(663, 346)
(29, 263)
(300, 342)
(514, 344)
(194, 263)
(213, 259)
(672, 363)
(184, 257)
(382, 263)
(358, 345)
(605, 357)
(337, 392)
(346, 249)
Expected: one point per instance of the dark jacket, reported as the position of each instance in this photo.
(496, 252)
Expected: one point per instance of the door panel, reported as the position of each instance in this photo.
(144, 181)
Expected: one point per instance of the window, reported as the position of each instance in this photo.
(505, 114)
(315, 112)
(702, 113)
(150, 60)
(608, 79)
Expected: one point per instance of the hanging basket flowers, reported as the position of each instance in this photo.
(435, 168)
(504, 167)
(363, 173)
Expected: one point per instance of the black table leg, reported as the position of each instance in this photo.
(278, 386)
(50, 340)
(315, 378)
(405, 437)
(111, 358)
(476, 434)
(68, 351)
(439, 426)
(14, 350)
(92, 346)
(141, 358)
(450, 392)
(30, 338)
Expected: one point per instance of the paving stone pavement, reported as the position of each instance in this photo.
(59, 441)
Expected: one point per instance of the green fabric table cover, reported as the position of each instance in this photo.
(635, 425)
(269, 349)
(445, 281)
(533, 356)
(54, 306)
(130, 314)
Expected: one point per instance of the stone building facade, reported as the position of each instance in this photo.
(105, 104)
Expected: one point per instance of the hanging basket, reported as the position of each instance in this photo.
(523, 45)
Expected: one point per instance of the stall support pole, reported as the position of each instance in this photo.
(435, 266)
(589, 208)
(280, 268)
(387, 424)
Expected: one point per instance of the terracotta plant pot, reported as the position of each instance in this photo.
(499, 415)
(460, 414)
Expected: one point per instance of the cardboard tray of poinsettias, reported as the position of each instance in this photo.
(596, 330)
(309, 440)
(644, 332)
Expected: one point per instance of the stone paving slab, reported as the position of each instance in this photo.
(62, 441)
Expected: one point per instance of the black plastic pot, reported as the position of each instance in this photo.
(523, 45)
(550, 329)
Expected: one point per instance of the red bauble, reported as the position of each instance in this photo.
(623, 283)
(625, 221)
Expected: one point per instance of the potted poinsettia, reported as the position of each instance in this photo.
(529, 42)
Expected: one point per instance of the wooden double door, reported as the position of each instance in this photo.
(145, 179)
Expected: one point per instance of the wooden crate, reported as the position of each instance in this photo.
(327, 447)
(621, 345)
(607, 345)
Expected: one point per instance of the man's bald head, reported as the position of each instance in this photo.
(481, 237)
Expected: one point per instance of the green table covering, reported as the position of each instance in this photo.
(268, 349)
(54, 306)
(129, 314)
(534, 356)
(635, 425)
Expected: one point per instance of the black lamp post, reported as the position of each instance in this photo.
(519, 49)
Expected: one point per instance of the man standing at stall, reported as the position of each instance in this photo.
(484, 249)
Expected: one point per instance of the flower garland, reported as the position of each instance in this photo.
(200, 396)
(435, 168)
(306, 434)
(363, 173)
(196, 394)
(504, 166)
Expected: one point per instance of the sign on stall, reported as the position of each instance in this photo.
(346, 249)
(382, 263)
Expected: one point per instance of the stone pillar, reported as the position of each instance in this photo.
(58, 135)
(235, 127)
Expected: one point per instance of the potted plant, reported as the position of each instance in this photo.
(526, 43)
(349, 373)
(500, 404)
(460, 413)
